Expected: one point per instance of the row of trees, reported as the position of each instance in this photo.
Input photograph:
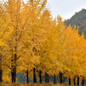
(31, 40)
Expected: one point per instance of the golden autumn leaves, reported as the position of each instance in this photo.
(32, 39)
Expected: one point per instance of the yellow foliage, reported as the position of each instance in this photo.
(30, 38)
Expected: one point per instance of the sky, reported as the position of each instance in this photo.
(65, 8)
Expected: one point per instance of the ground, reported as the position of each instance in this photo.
(17, 84)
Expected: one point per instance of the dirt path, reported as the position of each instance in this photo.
(17, 84)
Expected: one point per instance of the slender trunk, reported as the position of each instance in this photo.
(40, 76)
(46, 77)
(0, 68)
(74, 81)
(13, 69)
(78, 80)
(83, 80)
(54, 79)
(60, 76)
(69, 81)
(27, 76)
(34, 75)
(13, 74)
(0, 75)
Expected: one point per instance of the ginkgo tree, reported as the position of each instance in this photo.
(3, 36)
(20, 17)
(31, 41)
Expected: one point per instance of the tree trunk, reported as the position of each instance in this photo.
(74, 81)
(69, 81)
(60, 76)
(0, 68)
(13, 74)
(83, 80)
(34, 75)
(13, 69)
(0, 75)
(78, 80)
(40, 76)
(46, 77)
(54, 79)
(27, 76)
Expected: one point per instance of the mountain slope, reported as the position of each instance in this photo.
(79, 19)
